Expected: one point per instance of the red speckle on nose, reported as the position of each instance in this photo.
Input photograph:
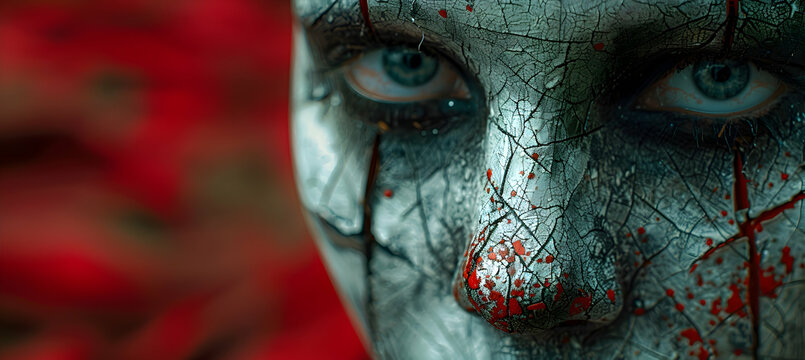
(611, 295)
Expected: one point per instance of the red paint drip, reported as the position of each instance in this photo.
(365, 13)
(787, 260)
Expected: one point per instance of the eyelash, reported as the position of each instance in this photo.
(687, 130)
(422, 117)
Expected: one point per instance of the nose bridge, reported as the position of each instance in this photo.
(537, 261)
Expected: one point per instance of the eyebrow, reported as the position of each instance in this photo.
(629, 29)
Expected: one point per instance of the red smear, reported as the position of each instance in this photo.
(732, 21)
(598, 46)
(559, 291)
(518, 282)
(443, 13)
(692, 335)
(469, 8)
(611, 295)
(489, 174)
(531, 176)
(537, 306)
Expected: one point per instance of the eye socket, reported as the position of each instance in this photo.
(403, 75)
(713, 89)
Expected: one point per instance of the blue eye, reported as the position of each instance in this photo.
(714, 89)
(404, 75)
(408, 67)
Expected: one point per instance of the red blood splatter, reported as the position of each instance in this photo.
(537, 306)
(611, 295)
(715, 307)
(709, 242)
(469, 8)
(516, 293)
(474, 282)
(784, 176)
(518, 282)
(723, 213)
(731, 221)
(703, 302)
(514, 193)
(598, 46)
(489, 174)
(719, 261)
(549, 259)
(388, 193)
(518, 248)
(443, 13)
(535, 156)
(738, 352)
(734, 303)
(703, 353)
(639, 311)
(693, 268)
(531, 175)
(493, 256)
(559, 291)
(580, 304)
(641, 230)
(669, 292)
(690, 296)
(768, 285)
(787, 259)
(680, 307)
(514, 307)
(692, 335)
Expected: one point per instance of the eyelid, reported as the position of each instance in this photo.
(365, 76)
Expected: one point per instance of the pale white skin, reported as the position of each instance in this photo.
(625, 216)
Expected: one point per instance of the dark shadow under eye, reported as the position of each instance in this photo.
(409, 67)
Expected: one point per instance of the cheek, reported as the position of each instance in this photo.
(711, 241)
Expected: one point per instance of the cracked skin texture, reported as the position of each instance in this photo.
(555, 221)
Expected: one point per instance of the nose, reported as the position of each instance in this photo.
(539, 260)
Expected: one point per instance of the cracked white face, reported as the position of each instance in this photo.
(576, 179)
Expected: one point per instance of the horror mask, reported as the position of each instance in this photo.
(557, 179)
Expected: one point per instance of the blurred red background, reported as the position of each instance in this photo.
(147, 208)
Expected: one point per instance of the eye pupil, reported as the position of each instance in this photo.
(409, 67)
(721, 73)
(413, 61)
(721, 80)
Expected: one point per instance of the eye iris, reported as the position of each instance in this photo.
(409, 67)
(721, 80)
